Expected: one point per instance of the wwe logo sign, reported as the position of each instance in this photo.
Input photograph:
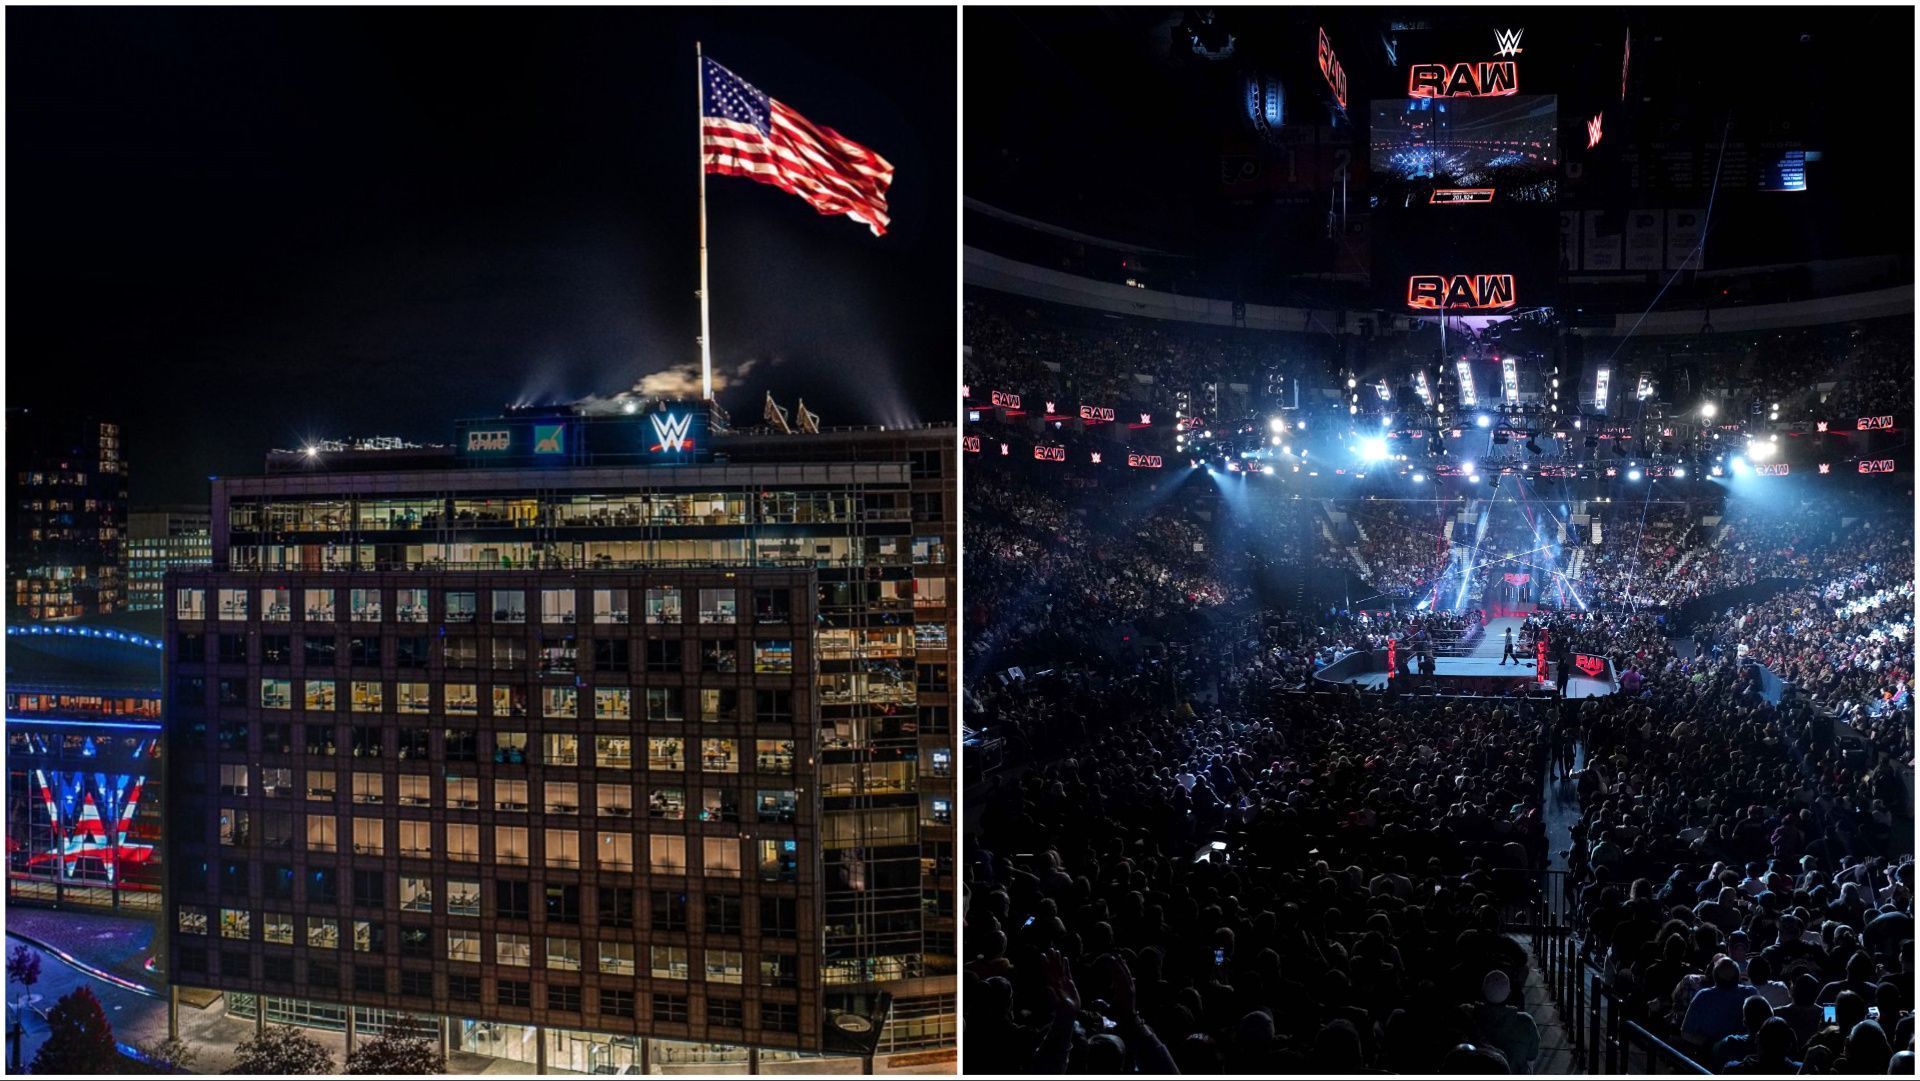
(1593, 131)
(1507, 42)
(671, 431)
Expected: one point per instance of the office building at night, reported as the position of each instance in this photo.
(160, 539)
(606, 742)
(66, 526)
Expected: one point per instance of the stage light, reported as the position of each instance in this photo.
(1385, 421)
(1633, 474)
(1760, 452)
(1277, 424)
(630, 407)
(1717, 472)
(1708, 409)
(1738, 465)
(1419, 478)
(1267, 469)
(1679, 473)
(1275, 441)
(313, 452)
(1483, 421)
(1351, 383)
(1302, 425)
(1373, 450)
(1285, 449)
(1352, 409)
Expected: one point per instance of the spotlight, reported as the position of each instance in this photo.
(630, 407)
(1419, 478)
(1302, 425)
(1351, 383)
(1267, 469)
(1760, 452)
(1275, 441)
(1373, 450)
(1708, 409)
(1633, 474)
(1679, 473)
(1276, 424)
(1483, 421)
(313, 452)
(1738, 465)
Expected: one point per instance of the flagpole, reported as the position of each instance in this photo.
(706, 350)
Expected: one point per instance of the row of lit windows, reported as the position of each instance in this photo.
(85, 705)
(508, 794)
(609, 703)
(829, 552)
(557, 749)
(557, 653)
(663, 605)
(581, 511)
(460, 842)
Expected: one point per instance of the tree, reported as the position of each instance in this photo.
(23, 968)
(79, 1039)
(406, 1047)
(283, 1049)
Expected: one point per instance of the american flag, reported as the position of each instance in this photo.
(743, 132)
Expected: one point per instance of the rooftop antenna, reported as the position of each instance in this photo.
(775, 415)
(809, 421)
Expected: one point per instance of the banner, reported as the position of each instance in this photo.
(1644, 244)
(1683, 233)
(1602, 240)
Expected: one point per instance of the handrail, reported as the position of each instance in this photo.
(1672, 1055)
(1602, 1036)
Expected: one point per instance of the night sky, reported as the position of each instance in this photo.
(235, 230)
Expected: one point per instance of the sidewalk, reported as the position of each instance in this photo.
(114, 943)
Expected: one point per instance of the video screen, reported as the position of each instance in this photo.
(1431, 150)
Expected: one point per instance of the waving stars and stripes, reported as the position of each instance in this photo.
(743, 132)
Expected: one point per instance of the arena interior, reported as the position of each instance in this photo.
(1438, 542)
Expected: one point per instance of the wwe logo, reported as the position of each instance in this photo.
(1507, 42)
(672, 431)
(1593, 132)
(1096, 457)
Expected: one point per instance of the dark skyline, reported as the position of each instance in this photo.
(234, 230)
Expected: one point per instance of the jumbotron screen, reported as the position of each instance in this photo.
(1504, 146)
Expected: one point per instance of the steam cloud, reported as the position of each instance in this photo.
(680, 381)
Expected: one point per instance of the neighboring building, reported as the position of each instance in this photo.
(161, 539)
(66, 526)
(611, 741)
(84, 791)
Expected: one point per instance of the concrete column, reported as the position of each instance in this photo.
(259, 1015)
(173, 1010)
(446, 1036)
(753, 1060)
(539, 1049)
(350, 1031)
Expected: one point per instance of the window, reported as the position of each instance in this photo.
(460, 607)
(463, 842)
(415, 791)
(610, 606)
(190, 604)
(463, 793)
(323, 933)
(610, 654)
(779, 917)
(773, 707)
(663, 655)
(776, 804)
(616, 906)
(233, 780)
(773, 656)
(613, 752)
(276, 781)
(718, 606)
(563, 904)
(779, 970)
(560, 702)
(615, 800)
(773, 755)
(615, 851)
(779, 1017)
(726, 1012)
(515, 950)
(562, 797)
(663, 605)
(462, 699)
(560, 748)
(463, 988)
(415, 697)
(720, 805)
(509, 606)
(276, 694)
(617, 958)
(513, 900)
(616, 1003)
(666, 753)
(666, 705)
(723, 914)
(720, 857)
(319, 695)
(460, 744)
(369, 788)
(941, 762)
(668, 910)
(670, 1009)
(514, 993)
(463, 945)
(668, 803)
(277, 928)
(412, 651)
(368, 741)
(463, 897)
(614, 704)
(416, 839)
(323, 974)
(563, 848)
(276, 649)
(558, 656)
(940, 813)
(410, 605)
(232, 648)
(719, 705)
(236, 828)
(667, 855)
(772, 606)
(563, 997)
(363, 605)
(779, 861)
(192, 920)
(509, 654)
(509, 748)
(366, 696)
(414, 744)
(369, 937)
(416, 893)
(319, 605)
(320, 651)
(563, 953)
(556, 606)
(721, 655)
(510, 846)
(509, 795)
(669, 963)
(369, 887)
(719, 756)
(726, 966)
(509, 701)
(233, 604)
(416, 984)
(322, 833)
